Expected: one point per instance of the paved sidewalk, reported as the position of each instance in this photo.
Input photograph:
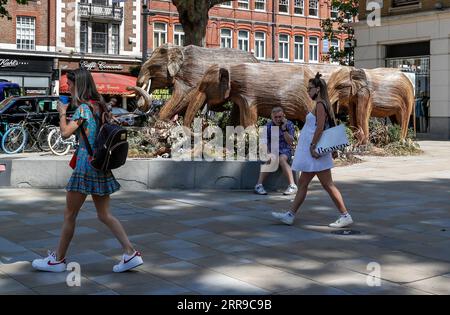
(225, 242)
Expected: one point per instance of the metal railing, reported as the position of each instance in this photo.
(88, 10)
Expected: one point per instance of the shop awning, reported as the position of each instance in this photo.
(107, 83)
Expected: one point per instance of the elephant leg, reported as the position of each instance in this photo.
(195, 100)
(249, 116)
(235, 115)
(363, 111)
(172, 107)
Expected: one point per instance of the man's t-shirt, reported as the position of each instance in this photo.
(284, 147)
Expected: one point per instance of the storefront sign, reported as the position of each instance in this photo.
(100, 65)
(11, 63)
(23, 64)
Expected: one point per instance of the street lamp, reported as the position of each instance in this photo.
(348, 48)
(145, 12)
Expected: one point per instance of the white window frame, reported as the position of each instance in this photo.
(284, 47)
(337, 46)
(228, 39)
(313, 47)
(242, 40)
(263, 2)
(301, 45)
(178, 35)
(228, 4)
(115, 46)
(286, 3)
(316, 8)
(302, 6)
(26, 31)
(243, 2)
(333, 9)
(260, 43)
(159, 33)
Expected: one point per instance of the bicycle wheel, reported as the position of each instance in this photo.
(14, 140)
(42, 138)
(57, 144)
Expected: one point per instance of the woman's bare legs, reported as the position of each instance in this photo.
(303, 183)
(104, 215)
(74, 201)
(327, 183)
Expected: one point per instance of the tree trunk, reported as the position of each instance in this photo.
(193, 16)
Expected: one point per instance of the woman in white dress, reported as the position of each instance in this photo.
(309, 162)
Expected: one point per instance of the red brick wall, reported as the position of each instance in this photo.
(36, 9)
(285, 24)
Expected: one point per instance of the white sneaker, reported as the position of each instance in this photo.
(285, 217)
(49, 263)
(259, 189)
(292, 189)
(129, 262)
(343, 221)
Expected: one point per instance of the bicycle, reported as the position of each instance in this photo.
(17, 137)
(58, 145)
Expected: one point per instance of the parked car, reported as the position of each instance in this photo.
(15, 109)
(8, 89)
(127, 118)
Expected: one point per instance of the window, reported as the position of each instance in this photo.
(115, 44)
(226, 38)
(243, 40)
(335, 45)
(84, 36)
(313, 49)
(25, 32)
(400, 3)
(100, 38)
(298, 7)
(334, 13)
(314, 7)
(298, 48)
(283, 6)
(260, 5)
(159, 34)
(227, 4)
(260, 45)
(243, 4)
(100, 2)
(283, 47)
(178, 35)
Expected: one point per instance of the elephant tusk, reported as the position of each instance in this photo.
(149, 86)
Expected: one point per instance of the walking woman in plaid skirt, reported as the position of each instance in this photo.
(86, 180)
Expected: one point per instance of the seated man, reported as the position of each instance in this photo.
(286, 141)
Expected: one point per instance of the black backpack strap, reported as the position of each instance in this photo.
(331, 121)
(85, 138)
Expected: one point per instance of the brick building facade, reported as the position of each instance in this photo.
(53, 36)
(281, 30)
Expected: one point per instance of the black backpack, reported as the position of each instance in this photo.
(111, 147)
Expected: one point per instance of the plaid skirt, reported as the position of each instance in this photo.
(87, 180)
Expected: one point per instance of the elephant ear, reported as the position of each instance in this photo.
(224, 82)
(175, 60)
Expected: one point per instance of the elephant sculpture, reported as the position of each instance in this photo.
(182, 68)
(255, 88)
(365, 93)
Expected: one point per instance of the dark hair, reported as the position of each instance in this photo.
(86, 90)
(320, 83)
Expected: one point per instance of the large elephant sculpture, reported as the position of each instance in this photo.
(255, 89)
(182, 68)
(365, 93)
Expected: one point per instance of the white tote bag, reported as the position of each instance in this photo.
(332, 139)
